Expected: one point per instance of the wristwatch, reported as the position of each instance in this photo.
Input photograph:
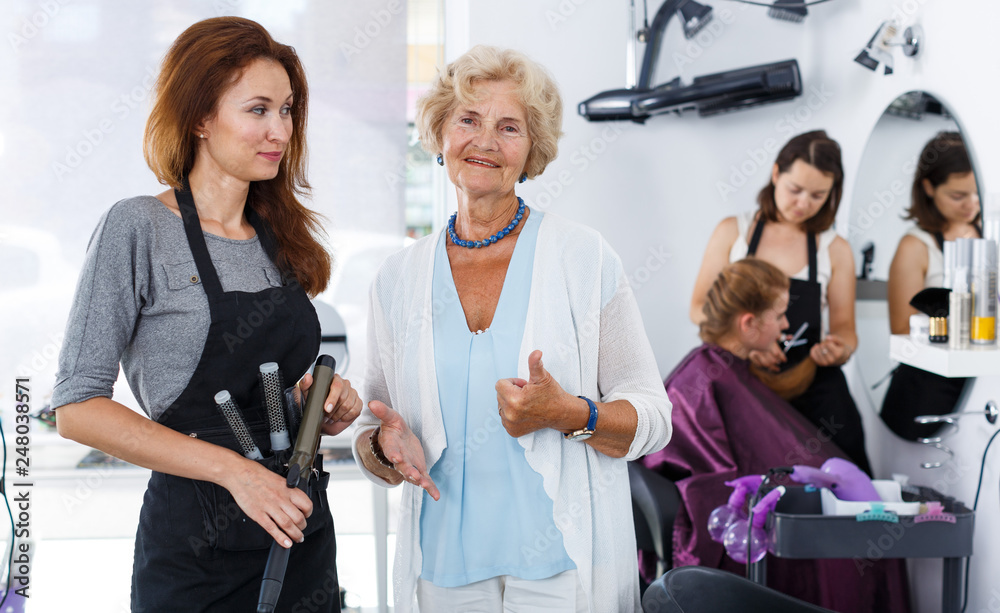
(585, 433)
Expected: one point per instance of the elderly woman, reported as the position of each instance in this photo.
(729, 424)
(517, 494)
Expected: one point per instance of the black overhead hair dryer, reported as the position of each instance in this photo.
(709, 95)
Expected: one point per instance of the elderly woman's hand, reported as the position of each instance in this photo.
(535, 404)
(402, 447)
(342, 406)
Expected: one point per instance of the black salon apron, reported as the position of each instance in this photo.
(914, 392)
(805, 301)
(195, 549)
(827, 403)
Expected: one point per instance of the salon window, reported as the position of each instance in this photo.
(77, 80)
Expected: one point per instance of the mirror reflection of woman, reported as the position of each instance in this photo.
(945, 206)
(793, 230)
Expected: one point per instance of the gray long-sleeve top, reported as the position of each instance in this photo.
(136, 303)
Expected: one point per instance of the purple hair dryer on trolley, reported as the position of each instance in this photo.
(844, 479)
(723, 517)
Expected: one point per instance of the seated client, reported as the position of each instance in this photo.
(728, 424)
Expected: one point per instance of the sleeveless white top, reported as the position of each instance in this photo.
(744, 223)
(935, 258)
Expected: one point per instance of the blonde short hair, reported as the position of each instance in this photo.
(536, 90)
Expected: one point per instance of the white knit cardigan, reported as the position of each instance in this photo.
(583, 316)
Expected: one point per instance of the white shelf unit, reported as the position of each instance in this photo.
(977, 361)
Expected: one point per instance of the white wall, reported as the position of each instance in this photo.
(654, 189)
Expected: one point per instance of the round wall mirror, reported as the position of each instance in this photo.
(885, 177)
(880, 218)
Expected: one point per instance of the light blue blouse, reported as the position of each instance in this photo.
(494, 517)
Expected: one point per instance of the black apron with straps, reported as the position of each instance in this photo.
(805, 301)
(827, 403)
(195, 549)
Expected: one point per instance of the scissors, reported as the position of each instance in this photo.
(795, 341)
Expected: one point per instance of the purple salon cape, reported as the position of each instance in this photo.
(728, 424)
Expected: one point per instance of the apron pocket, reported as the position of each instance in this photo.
(230, 529)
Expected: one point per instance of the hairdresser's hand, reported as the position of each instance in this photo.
(342, 405)
(832, 351)
(771, 360)
(266, 499)
(535, 404)
(402, 447)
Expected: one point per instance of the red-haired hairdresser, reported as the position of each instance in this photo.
(191, 291)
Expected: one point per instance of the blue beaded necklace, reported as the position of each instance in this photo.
(486, 241)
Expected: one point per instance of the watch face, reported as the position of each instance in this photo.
(580, 435)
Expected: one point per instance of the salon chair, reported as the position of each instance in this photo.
(696, 589)
(655, 500)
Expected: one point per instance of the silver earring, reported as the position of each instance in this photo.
(524, 177)
(440, 160)
(201, 136)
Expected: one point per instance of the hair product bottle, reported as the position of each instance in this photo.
(959, 313)
(949, 264)
(983, 276)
